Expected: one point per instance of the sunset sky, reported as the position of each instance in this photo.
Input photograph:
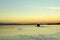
(29, 11)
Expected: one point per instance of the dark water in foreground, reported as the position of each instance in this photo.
(30, 32)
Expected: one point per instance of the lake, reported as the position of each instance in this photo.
(30, 32)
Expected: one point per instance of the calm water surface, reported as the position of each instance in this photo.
(30, 32)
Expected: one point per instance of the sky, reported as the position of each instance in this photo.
(29, 11)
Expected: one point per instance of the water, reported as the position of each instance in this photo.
(30, 32)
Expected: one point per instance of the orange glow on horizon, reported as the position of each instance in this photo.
(31, 20)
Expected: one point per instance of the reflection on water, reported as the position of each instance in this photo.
(30, 32)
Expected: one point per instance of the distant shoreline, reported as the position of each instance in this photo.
(30, 24)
